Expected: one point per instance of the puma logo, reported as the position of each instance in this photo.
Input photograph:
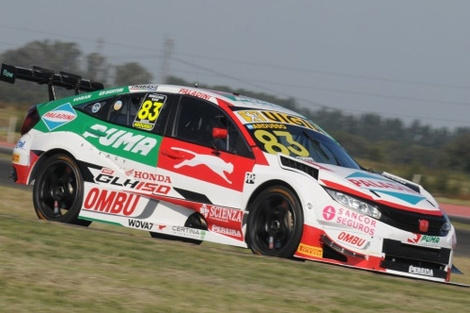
(254, 117)
(215, 164)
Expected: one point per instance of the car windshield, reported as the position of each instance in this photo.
(298, 138)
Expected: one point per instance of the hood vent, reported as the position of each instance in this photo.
(298, 165)
(403, 181)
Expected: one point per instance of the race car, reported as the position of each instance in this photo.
(202, 165)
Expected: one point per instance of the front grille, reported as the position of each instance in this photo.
(409, 221)
(413, 259)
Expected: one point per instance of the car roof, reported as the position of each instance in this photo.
(214, 96)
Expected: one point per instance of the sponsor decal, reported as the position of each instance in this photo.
(234, 233)
(424, 240)
(59, 116)
(215, 164)
(140, 224)
(250, 178)
(96, 107)
(307, 159)
(188, 232)
(351, 219)
(266, 126)
(195, 93)
(144, 87)
(367, 183)
(117, 105)
(112, 157)
(20, 144)
(252, 101)
(271, 117)
(15, 158)
(80, 98)
(149, 176)
(225, 215)
(329, 213)
(310, 250)
(353, 240)
(120, 139)
(155, 227)
(420, 271)
(107, 171)
(382, 185)
(111, 202)
(110, 91)
(144, 125)
(7, 74)
(146, 187)
(371, 181)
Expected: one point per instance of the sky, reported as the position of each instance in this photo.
(406, 59)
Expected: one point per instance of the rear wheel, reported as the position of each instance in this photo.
(275, 223)
(58, 191)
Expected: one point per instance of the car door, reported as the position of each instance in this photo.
(206, 153)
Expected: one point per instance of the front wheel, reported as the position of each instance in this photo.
(58, 191)
(275, 223)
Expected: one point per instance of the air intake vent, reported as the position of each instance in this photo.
(288, 162)
(409, 221)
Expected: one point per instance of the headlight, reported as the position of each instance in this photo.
(447, 226)
(355, 204)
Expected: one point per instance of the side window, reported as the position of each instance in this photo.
(97, 109)
(123, 110)
(139, 110)
(196, 120)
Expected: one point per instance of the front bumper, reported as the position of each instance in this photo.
(416, 260)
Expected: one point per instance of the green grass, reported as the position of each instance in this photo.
(52, 267)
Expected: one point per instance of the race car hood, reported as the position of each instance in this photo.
(382, 188)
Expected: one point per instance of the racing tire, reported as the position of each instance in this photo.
(58, 191)
(195, 220)
(275, 223)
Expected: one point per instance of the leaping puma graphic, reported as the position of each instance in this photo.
(215, 164)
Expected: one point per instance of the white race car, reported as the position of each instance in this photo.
(201, 165)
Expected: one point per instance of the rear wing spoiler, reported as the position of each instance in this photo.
(42, 76)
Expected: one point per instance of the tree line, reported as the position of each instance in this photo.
(368, 136)
(65, 57)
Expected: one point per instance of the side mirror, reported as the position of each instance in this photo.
(219, 133)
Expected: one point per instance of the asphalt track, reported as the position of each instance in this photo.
(456, 213)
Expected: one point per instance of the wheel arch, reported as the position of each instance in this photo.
(251, 207)
(43, 159)
(270, 183)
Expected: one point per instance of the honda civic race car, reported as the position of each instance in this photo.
(202, 165)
